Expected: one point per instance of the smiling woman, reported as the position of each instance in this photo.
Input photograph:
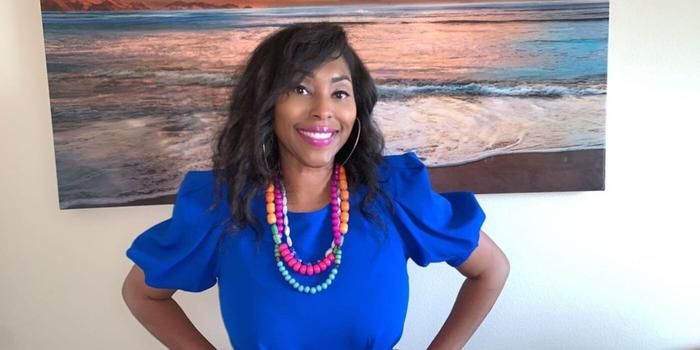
(300, 151)
(314, 120)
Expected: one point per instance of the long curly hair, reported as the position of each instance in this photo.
(277, 65)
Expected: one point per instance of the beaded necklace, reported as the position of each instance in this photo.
(276, 200)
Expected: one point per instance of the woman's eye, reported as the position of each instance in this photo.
(340, 94)
(300, 89)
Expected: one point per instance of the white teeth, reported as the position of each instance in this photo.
(317, 135)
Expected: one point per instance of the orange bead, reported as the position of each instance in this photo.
(344, 217)
(344, 206)
(343, 184)
(343, 228)
(271, 219)
(344, 195)
(341, 171)
(269, 197)
(270, 208)
(271, 188)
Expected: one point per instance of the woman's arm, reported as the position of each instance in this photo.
(486, 271)
(160, 314)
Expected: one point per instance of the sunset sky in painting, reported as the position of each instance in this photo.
(282, 3)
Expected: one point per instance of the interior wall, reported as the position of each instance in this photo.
(616, 269)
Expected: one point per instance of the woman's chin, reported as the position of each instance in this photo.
(318, 158)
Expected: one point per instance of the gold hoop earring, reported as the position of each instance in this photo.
(357, 139)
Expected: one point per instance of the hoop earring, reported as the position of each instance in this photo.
(357, 139)
(267, 165)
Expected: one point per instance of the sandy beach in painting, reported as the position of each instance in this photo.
(491, 91)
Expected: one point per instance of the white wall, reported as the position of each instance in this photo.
(597, 270)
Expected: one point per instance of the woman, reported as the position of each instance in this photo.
(302, 222)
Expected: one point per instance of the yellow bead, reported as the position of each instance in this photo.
(343, 228)
(270, 208)
(344, 217)
(344, 206)
(271, 219)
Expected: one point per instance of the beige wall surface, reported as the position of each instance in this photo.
(592, 270)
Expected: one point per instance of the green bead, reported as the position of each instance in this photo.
(275, 231)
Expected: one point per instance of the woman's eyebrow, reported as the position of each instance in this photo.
(333, 79)
(339, 78)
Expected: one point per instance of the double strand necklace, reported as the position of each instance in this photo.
(285, 256)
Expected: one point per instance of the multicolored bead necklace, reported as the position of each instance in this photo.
(276, 198)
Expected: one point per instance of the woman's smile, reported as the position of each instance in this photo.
(318, 136)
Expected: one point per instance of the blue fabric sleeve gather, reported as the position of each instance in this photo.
(181, 252)
(435, 227)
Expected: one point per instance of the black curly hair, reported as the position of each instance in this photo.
(276, 66)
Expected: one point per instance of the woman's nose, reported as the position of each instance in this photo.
(322, 107)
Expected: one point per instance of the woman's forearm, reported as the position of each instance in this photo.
(475, 299)
(168, 323)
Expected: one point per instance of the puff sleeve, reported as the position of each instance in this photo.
(435, 227)
(181, 252)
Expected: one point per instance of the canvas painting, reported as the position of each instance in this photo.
(494, 96)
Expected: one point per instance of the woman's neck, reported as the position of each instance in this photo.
(307, 188)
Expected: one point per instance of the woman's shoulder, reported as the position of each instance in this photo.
(198, 188)
(401, 171)
(406, 160)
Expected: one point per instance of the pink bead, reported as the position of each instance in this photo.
(335, 221)
(303, 269)
(317, 269)
(322, 266)
(332, 258)
(296, 266)
(284, 246)
(288, 259)
(285, 253)
(310, 270)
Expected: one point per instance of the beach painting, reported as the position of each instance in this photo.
(494, 96)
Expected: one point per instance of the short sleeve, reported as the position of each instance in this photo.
(435, 227)
(181, 252)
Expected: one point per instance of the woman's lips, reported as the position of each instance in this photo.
(318, 136)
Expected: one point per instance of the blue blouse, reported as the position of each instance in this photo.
(365, 306)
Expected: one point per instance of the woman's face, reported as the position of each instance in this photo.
(314, 120)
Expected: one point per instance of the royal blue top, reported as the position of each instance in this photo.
(365, 306)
